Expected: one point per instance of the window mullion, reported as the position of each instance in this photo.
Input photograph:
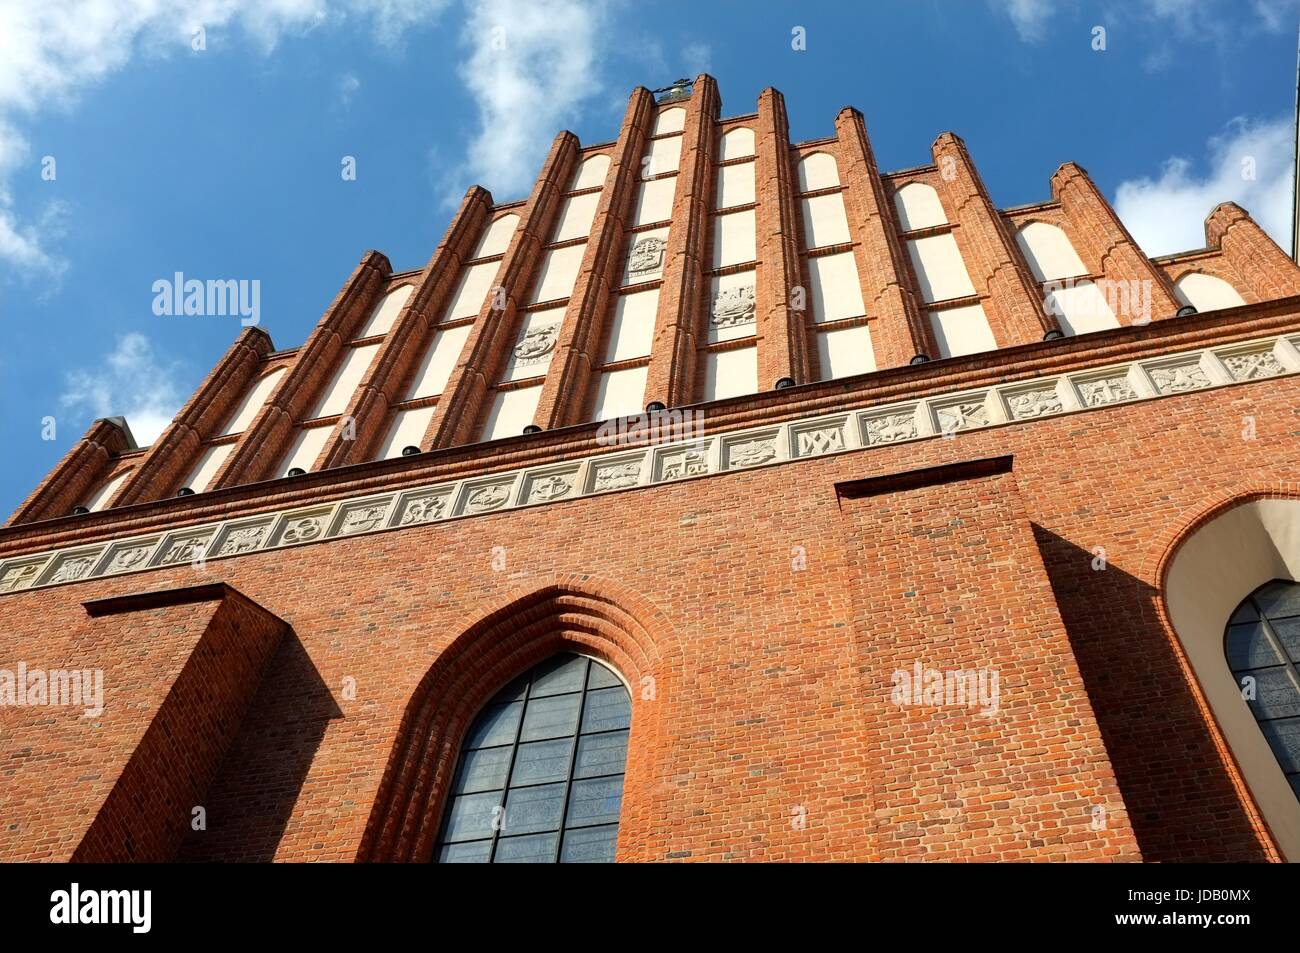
(1266, 624)
(573, 760)
(510, 771)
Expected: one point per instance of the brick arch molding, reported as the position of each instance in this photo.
(1156, 567)
(577, 613)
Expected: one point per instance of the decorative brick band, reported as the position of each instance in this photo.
(625, 466)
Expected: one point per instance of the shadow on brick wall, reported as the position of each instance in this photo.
(1181, 802)
(252, 799)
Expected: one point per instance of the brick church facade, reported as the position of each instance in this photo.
(952, 533)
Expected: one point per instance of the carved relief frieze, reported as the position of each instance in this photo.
(891, 428)
(752, 452)
(1252, 366)
(1041, 402)
(1101, 391)
(1179, 378)
(616, 476)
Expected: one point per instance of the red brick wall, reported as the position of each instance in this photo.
(1006, 762)
(178, 670)
(767, 703)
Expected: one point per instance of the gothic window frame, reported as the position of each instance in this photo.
(1252, 638)
(468, 805)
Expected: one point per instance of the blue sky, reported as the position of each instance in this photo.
(224, 162)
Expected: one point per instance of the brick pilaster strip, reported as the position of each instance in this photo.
(464, 401)
(1267, 270)
(176, 452)
(412, 331)
(265, 442)
(82, 468)
(782, 332)
(564, 396)
(900, 330)
(1103, 240)
(1012, 299)
(679, 323)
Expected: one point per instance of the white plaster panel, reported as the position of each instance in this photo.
(836, 292)
(733, 238)
(1206, 292)
(664, 155)
(646, 254)
(654, 201)
(351, 371)
(101, 497)
(918, 206)
(307, 446)
(962, 331)
(535, 365)
(818, 171)
(559, 272)
(439, 361)
(634, 325)
(731, 373)
(512, 411)
(824, 221)
(386, 311)
(845, 351)
(736, 143)
(620, 393)
(576, 216)
(407, 430)
(722, 284)
(939, 268)
(1049, 252)
(496, 237)
(206, 469)
(253, 402)
(670, 119)
(735, 185)
(592, 172)
(472, 292)
(1081, 308)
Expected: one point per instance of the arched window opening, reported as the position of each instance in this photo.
(1262, 644)
(540, 778)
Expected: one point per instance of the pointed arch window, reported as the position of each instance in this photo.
(1263, 649)
(540, 777)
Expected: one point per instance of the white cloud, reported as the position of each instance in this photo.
(1028, 16)
(1250, 163)
(531, 65)
(348, 85)
(51, 51)
(697, 58)
(1212, 20)
(134, 382)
